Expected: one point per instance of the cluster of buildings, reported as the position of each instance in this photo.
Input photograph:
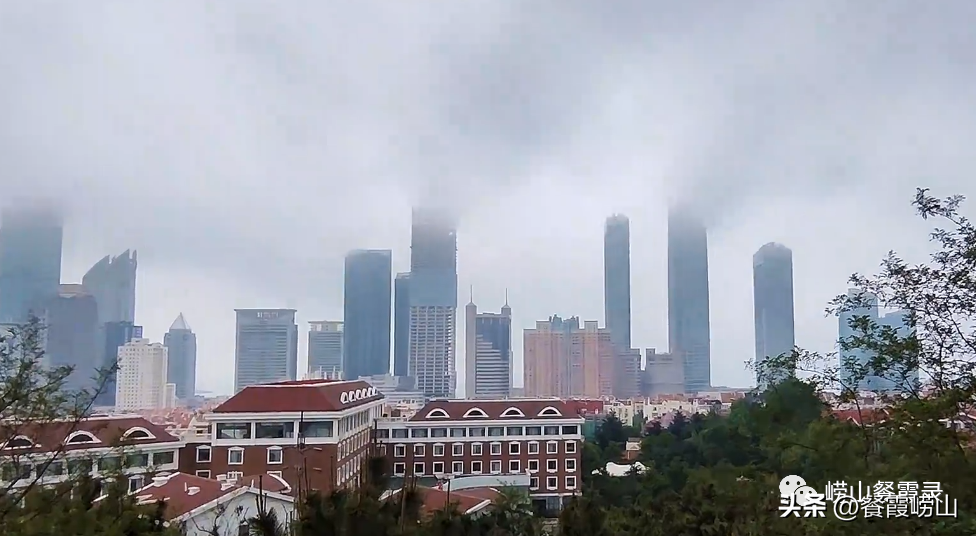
(90, 325)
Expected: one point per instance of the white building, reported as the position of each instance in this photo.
(141, 379)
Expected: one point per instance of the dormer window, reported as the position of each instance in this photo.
(438, 413)
(19, 442)
(475, 412)
(80, 437)
(513, 412)
(550, 411)
(137, 433)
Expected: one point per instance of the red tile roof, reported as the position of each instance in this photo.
(861, 416)
(96, 431)
(301, 395)
(468, 500)
(183, 493)
(518, 408)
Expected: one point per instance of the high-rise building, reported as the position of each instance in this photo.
(142, 382)
(116, 335)
(857, 365)
(112, 281)
(627, 372)
(664, 374)
(487, 353)
(368, 291)
(433, 303)
(72, 336)
(181, 346)
(772, 282)
(325, 348)
(30, 261)
(561, 359)
(267, 347)
(688, 324)
(401, 324)
(616, 279)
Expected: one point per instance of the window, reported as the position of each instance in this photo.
(203, 473)
(79, 467)
(476, 468)
(552, 482)
(570, 465)
(551, 430)
(514, 430)
(317, 429)
(438, 432)
(551, 466)
(534, 447)
(382, 433)
(458, 449)
(163, 458)
(570, 447)
(275, 455)
(418, 432)
(534, 483)
(496, 467)
(514, 466)
(513, 448)
(274, 474)
(570, 429)
(399, 433)
(438, 449)
(235, 456)
(533, 466)
(496, 431)
(476, 449)
(274, 430)
(203, 454)
(55, 468)
(552, 447)
(476, 432)
(399, 468)
(418, 450)
(570, 482)
(235, 475)
(418, 468)
(136, 482)
(458, 432)
(80, 437)
(438, 468)
(496, 449)
(533, 430)
(399, 451)
(109, 463)
(457, 468)
(233, 430)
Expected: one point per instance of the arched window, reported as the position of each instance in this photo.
(550, 411)
(137, 432)
(513, 412)
(80, 437)
(475, 412)
(438, 413)
(19, 442)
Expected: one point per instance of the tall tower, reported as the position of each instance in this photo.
(181, 368)
(616, 279)
(688, 324)
(564, 360)
(401, 324)
(470, 346)
(366, 322)
(30, 261)
(142, 382)
(267, 347)
(325, 349)
(772, 282)
(433, 303)
(72, 336)
(112, 281)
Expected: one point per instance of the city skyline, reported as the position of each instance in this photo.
(243, 174)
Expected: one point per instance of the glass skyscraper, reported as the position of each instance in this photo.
(688, 317)
(30, 261)
(366, 321)
(772, 281)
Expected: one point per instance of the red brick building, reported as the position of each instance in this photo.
(314, 432)
(460, 438)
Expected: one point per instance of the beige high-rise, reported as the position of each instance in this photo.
(562, 359)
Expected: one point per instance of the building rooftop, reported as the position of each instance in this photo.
(314, 395)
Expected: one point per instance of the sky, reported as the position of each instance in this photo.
(244, 147)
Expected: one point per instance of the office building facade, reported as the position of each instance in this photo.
(401, 324)
(116, 335)
(688, 315)
(71, 322)
(862, 369)
(142, 381)
(563, 359)
(30, 262)
(616, 279)
(772, 282)
(488, 353)
(325, 349)
(181, 347)
(266, 347)
(366, 322)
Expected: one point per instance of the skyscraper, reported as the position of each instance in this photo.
(116, 335)
(433, 303)
(561, 359)
(181, 367)
(325, 349)
(616, 279)
(857, 370)
(267, 347)
(487, 352)
(772, 282)
(401, 324)
(142, 381)
(112, 281)
(72, 336)
(368, 294)
(688, 325)
(30, 261)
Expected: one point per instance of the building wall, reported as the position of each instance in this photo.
(72, 338)
(141, 376)
(616, 274)
(267, 346)
(663, 374)
(368, 294)
(401, 324)
(489, 354)
(117, 334)
(772, 276)
(30, 261)
(325, 348)
(688, 303)
(182, 359)
(627, 380)
(561, 359)
(432, 350)
(112, 281)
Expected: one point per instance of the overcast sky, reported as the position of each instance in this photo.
(244, 147)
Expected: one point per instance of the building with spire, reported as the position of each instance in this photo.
(181, 367)
(487, 352)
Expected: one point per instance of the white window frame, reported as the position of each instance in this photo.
(514, 448)
(235, 475)
(570, 482)
(570, 465)
(399, 468)
(498, 464)
(496, 449)
(208, 450)
(202, 473)
(552, 482)
(531, 463)
(457, 449)
(281, 456)
(477, 447)
(514, 467)
(533, 482)
(399, 451)
(552, 466)
(275, 473)
(441, 446)
(533, 447)
(480, 465)
(457, 468)
(552, 447)
(230, 456)
(418, 449)
(136, 482)
(570, 447)
(435, 471)
(422, 470)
